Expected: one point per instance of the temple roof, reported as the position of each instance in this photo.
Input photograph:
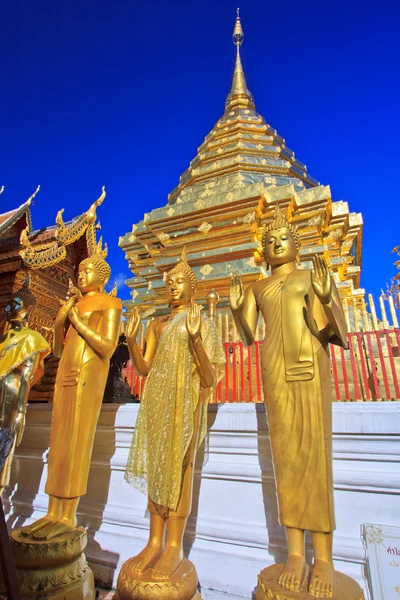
(12, 217)
(42, 248)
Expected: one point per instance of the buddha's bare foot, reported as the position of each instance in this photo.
(30, 530)
(146, 558)
(168, 562)
(293, 573)
(54, 529)
(322, 583)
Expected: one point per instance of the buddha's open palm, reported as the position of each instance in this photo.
(236, 292)
(133, 325)
(193, 319)
(321, 279)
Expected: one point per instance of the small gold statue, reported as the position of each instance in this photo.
(22, 351)
(183, 353)
(303, 314)
(85, 336)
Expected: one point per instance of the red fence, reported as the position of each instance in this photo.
(367, 371)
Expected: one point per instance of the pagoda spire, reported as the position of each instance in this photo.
(239, 96)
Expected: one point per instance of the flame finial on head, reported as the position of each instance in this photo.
(98, 259)
(184, 267)
(278, 222)
(25, 293)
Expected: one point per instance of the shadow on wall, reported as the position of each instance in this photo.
(26, 474)
(276, 533)
(201, 460)
(102, 562)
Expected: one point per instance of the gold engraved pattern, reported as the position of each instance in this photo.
(205, 227)
(181, 586)
(7, 349)
(53, 569)
(269, 589)
(63, 549)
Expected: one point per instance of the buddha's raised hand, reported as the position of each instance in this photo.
(236, 292)
(133, 325)
(193, 320)
(321, 279)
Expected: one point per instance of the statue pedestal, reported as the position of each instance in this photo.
(268, 587)
(181, 586)
(55, 569)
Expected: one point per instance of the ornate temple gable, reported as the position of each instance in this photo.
(44, 249)
(225, 199)
(49, 255)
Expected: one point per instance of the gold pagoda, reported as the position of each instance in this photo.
(223, 201)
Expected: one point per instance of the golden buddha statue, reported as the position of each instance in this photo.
(22, 351)
(303, 314)
(182, 354)
(85, 336)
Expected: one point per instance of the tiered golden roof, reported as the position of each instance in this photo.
(224, 200)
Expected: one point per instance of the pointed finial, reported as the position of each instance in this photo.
(101, 198)
(29, 201)
(184, 257)
(278, 214)
(238, 35)
(239, 95)
(184, 267)
(91, 213)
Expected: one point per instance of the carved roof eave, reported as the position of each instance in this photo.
(23, 211)
(41, 256)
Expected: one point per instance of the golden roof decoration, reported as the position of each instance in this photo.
(7, 220)
(113, 292)
(239, 94)
(46, 255)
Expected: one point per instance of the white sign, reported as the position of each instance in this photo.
(383, 551)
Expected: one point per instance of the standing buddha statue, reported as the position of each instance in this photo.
(182, 355)
(85, 336)
(303, 314)
(22, 351)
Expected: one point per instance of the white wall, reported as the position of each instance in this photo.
(233, 532)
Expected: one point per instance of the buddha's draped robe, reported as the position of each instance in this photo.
(165, 422)
(297, 393)
(18, 345)
(81, 379)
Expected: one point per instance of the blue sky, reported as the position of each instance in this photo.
(121, 94)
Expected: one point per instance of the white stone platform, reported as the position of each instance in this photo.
(233, 532)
